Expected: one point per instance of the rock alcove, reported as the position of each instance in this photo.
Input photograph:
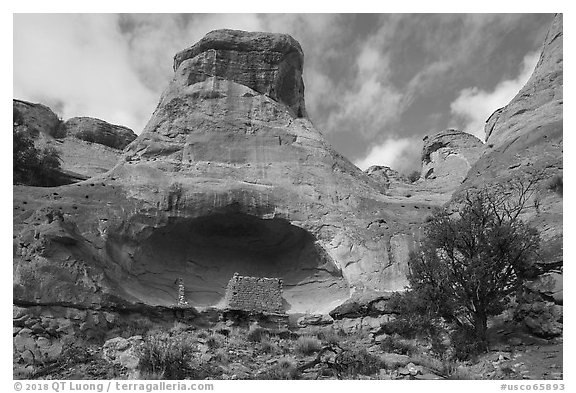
(206, 252)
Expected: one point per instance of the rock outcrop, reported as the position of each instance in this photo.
(98, 131)
(270, 64)
(36, 119)
(524, 141)
(386, 176)
(539, 102)
(229, 175)
(447, 157)
(87, 146)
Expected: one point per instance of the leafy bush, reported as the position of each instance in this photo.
(32, 166)
(307, 345)
(415, 316)
(465, 344)
(60, 131)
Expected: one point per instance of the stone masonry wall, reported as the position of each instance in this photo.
(256, 294)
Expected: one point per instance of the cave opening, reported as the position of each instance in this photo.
(205, 253)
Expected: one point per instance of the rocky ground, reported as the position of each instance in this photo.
(228, 352)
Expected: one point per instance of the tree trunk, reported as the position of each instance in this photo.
(481, 327)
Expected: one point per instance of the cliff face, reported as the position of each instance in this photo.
(525, 141)
(228, 176)
(539, 102)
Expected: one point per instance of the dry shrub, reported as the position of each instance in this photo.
(359, 362)
(307, 345)
(284, 369)
(165, 355)
(256, 334)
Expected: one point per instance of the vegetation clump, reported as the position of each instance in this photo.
(307, 345)
(469, 267)
(32, 166)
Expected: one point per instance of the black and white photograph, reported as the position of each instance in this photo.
(207, 197)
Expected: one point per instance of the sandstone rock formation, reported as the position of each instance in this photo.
(445, 161)
(98, 131)
(524, 140)
(37, 118)
(87, 146)
(386, 176)
(447, 157)
(228, 176)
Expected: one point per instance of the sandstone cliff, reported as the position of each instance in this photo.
(229, 175)
(524, 141)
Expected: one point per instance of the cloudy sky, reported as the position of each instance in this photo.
(375, 83)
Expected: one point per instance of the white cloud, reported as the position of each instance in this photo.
(85, 65)
(82, 63)
(385, 154)
(473, 105)
(370, 102)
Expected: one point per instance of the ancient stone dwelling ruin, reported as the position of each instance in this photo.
(254, 294)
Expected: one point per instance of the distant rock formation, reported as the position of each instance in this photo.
(38, 119)
(98, 131)
(447, 157)
(87, 146)
(386, 176)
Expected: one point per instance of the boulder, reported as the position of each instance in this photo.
(122, 351)
(314, 320)
(394, 360)
(549, 285)
(363, 304)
